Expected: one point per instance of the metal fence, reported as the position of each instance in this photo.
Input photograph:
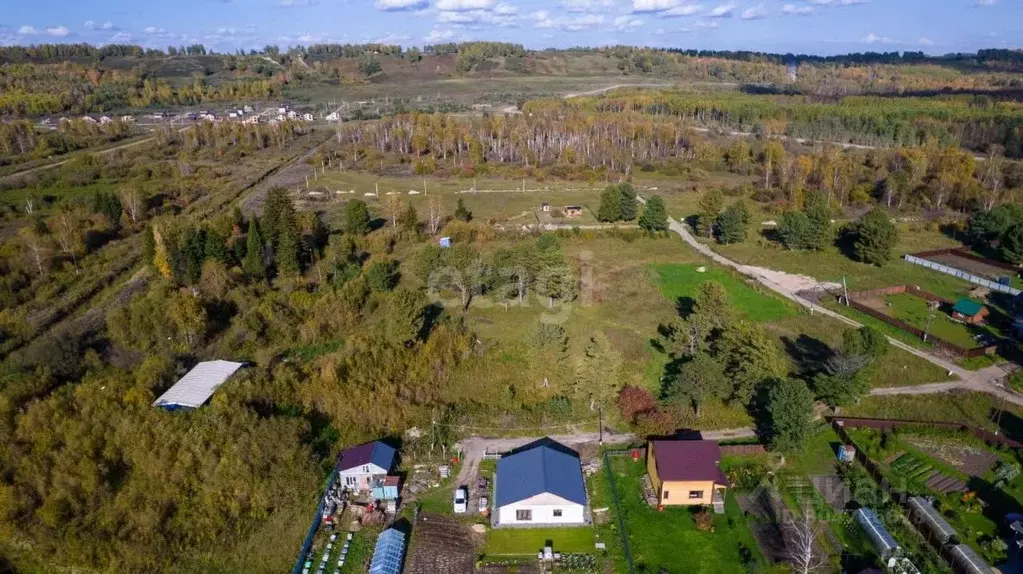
(963, 275)
(618, 513)
(315, 526)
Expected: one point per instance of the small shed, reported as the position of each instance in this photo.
(967, 560)
(545, 207)
(573, 210)
(969, 311)
(879, 536)
(444, 242)
(846, 453)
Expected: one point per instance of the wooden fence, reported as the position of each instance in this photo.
(890, 424)
(938, 342)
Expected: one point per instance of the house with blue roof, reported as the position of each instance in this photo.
(540, 484)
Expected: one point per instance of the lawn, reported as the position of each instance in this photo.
(678, 282)
(529, 541)
(670, 541)
(916, 310)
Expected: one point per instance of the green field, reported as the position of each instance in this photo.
(529, 541)
(683, 281)
(915, 311)
(669, 541)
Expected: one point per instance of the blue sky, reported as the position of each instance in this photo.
(801, 26)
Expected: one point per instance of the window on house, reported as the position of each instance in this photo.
(666, 495)
(695, 494)
(349, 480)
(524, 515)
(557, 513)
(365, 468)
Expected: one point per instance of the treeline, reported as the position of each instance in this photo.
(19, 140)
(566, 143)
(34, 89)
(1011, 60)
(54, 53)
(973, 122)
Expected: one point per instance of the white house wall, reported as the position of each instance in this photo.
(543, 507)
(358, 478)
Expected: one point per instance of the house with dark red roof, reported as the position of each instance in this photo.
(357, 465)
(686, 472)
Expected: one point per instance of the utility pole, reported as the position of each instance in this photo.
(601, 431)
(927, 329)
(845, 291)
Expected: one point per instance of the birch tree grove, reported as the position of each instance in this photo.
(801, 549)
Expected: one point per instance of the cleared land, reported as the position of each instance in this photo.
(922, 314)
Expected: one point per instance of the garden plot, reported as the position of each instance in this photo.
(970, 460)
(914, 469)
(441, 545)
(979, 268)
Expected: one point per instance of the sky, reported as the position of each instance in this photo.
(798, 26)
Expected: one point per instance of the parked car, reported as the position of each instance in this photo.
(461, 502)
(484, 505)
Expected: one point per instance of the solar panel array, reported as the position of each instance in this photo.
(390, 550)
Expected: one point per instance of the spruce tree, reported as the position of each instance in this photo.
(461, 212)
(610, 204)
(627, 200)
(654, 217)
(253, 264)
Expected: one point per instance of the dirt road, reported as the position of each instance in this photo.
(614, 87)
(473, 448)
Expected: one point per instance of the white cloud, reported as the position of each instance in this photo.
(439, 35)
(709, 24)
(680, 11)
(659, 32)
(755, 13)
(502, 16)
(89, 25)
(985, 2)
(120, 38)
(108, 25)
(722, 11)
(151, 30)
(586, 5)
(400, 5)
(58, 31)
(226, 31)
(27, 31)
(543, 19)
(581, 23)
(925, 41)
(796, 10)
(627, 22)
(461, 5)
(392, 39)
(837, 2)
(653, 5)
(873, 38)
(293, 3)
